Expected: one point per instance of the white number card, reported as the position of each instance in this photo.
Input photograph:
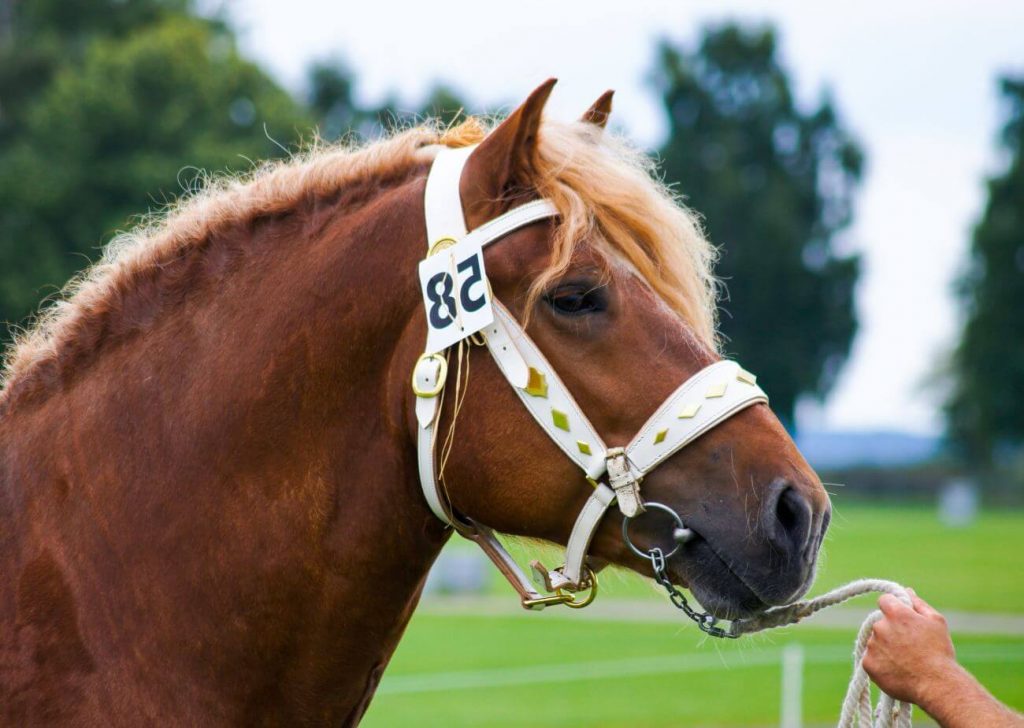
(455, 294)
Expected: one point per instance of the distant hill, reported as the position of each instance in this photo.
(839, 449)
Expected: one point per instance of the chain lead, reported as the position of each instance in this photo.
(705, 622)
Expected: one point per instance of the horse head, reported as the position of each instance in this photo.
(616, 293)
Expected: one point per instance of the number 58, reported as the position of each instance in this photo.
(443, 308)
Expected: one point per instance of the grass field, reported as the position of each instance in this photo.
(551, 669)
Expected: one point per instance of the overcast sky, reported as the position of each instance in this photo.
(915, 80)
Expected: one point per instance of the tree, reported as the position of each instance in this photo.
(102, 111)
(775, 185)
(332, 99)
(984, 411)
(443, 102)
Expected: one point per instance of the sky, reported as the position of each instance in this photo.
(915, 80)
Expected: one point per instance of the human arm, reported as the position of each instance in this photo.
(911, 657)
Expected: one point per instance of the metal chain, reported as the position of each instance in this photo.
(705, 621)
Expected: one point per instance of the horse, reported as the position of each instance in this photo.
(210, 505)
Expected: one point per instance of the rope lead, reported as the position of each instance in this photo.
(857, 709)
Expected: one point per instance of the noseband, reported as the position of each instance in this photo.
(459, 306)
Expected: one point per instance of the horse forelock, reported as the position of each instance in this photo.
(606, 192)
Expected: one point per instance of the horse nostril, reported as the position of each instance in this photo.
(789, 519)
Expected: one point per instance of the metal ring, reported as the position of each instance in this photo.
(574, 603)
(657, 507)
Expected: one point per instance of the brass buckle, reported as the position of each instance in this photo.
(440, 244)
(442, 375)
(567, 598)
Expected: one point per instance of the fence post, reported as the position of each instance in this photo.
(792, 686)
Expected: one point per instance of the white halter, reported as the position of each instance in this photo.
(708, 398)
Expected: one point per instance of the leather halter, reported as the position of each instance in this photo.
(703, 401)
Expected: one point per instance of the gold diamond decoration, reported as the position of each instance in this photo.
(660, 437)
(560, 419)
(583, 446)
(537, 384)
(746, 377)
(690, 411)
(716, 390)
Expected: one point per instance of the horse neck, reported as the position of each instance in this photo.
(262, 438)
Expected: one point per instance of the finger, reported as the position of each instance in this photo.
(892, 607)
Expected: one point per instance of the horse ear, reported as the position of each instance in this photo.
(599, 112)
(500, 168)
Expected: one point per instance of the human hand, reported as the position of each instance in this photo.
(909, 654)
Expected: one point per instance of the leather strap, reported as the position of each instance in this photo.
(489, 543)
(512, 220)
(582, 533)
(442, 200)
(549, 400)
(702, 402)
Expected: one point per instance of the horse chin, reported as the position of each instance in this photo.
(720, 590)
(728, 603)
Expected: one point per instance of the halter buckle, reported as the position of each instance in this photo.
(429, 375)
(566, 594)
(554, 580)
(624, 483)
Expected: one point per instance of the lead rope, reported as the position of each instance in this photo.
(857, 710)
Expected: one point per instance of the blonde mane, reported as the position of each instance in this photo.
(599, 183)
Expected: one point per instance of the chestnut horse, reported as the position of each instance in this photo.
(210, 511)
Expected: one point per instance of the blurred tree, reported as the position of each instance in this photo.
(102, 103)
(444, 103)
(331, 98)
(775, 185)
(984, 411)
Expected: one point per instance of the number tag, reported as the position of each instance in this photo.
(456, 294)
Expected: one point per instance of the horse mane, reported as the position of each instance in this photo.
(599, 183)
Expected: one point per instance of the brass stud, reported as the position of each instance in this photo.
(660, 437)
(537, 384)
(593, 483)
(716, 390)
(746, 377)
(560, 419)
(690, 411)
(583, 446)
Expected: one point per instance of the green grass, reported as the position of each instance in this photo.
(554, 670)
(734, 684)
(977, 568)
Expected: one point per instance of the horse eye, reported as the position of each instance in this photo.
(576, 300)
